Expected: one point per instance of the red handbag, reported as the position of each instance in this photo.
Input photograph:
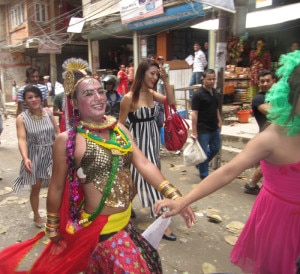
(175, 128)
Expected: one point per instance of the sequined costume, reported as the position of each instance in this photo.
(84, 250)
(97, 158)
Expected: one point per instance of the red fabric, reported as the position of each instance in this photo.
(62, 124)
(70, 257)
(11, 256)
(122, 88)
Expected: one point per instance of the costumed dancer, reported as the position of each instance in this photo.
(270, 240)
(90, 193)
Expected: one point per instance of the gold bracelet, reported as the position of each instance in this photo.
(52, 214)
(162, 185)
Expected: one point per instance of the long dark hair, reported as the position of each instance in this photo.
(144, 65)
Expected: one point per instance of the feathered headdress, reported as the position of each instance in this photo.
(76, 69)
(278, 96)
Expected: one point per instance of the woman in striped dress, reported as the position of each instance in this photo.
(36, 129)
(139, 111)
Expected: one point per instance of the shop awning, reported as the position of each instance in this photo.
(260, 18)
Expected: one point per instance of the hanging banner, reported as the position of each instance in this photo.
(227, 5)
(134, 10)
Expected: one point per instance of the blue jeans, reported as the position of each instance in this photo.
(211, 144)
(195, 79)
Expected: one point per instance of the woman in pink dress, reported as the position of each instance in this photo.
(270, 240)
(122, 88)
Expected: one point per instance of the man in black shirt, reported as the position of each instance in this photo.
(266, 79)
(206, 119)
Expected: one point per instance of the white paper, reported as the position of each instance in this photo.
(190, 59)
(154, 233)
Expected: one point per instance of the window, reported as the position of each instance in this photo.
(40, 9)
(17, 15)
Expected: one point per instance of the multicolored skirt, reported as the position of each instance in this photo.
(124, 252)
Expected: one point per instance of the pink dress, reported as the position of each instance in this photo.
(270, 240)
(122, 88)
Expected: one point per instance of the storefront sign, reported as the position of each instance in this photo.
(171, 15)
(227, 5)
(133, 10)
(49, 47)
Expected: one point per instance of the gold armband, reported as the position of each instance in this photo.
(169, 191)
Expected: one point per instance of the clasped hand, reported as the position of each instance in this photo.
(175, 207)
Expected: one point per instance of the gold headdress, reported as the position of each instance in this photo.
(76, 70)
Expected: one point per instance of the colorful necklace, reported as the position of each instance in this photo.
(107, 122)
(119, 144)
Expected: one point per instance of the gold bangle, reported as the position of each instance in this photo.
(162, 185)
(52, 214)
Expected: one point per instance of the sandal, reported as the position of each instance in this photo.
(39, 223)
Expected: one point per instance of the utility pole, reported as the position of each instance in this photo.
(220, 63)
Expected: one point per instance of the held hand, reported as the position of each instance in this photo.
(174, 207)
(188, 216)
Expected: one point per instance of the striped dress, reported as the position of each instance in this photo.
(40, 136)
(144, 130)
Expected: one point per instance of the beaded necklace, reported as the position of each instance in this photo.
(119, 145)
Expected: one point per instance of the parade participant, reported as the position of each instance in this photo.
(138, 105)
(122, 87)
(32, 77)
(90, 193)
(269, 242)
(110, 83)
(36, 129)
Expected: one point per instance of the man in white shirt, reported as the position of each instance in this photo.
(199, 64)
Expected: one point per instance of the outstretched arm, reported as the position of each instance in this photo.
(258, 148)
(154, 177)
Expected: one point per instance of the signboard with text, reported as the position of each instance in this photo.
(47, 46)
(133, 10)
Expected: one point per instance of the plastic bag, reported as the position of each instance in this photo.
(193, 154)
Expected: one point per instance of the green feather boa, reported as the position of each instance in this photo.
(279, 94)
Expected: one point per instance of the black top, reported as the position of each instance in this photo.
(207, 106)
(260, 118)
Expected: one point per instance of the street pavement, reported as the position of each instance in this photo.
(204, 248)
